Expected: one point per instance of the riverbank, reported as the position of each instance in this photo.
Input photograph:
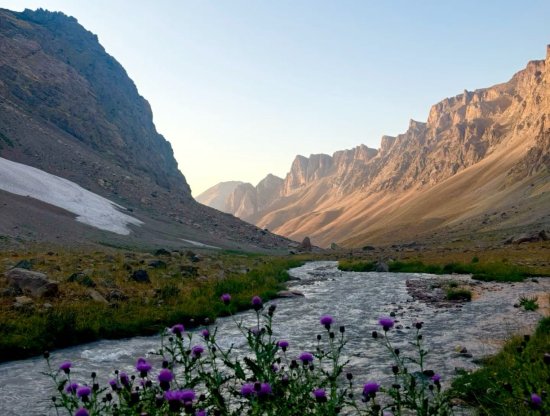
(114, 294)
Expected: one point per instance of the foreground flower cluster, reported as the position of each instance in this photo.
(198, 377)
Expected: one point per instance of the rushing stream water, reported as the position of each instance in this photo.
(356, 300)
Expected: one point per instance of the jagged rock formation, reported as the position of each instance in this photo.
(70, 109)
(241, 199)
(480, 163)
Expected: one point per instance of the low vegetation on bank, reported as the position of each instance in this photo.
(516, 381)
(490, 271)
(100, 296)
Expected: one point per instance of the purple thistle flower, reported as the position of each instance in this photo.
(386, 323)
(143, 366)
(320, 395)
(247, 389)
(283, 344)
(124, 379)
(327, 321)
(173, 395)
(187, 395)
(370, 388)
(306, 357)
(165, 376)
(536, 400)
(177, 329)
(226, 298)
(83, 392)
(72, 388)
(201, 412)
(257, 303)
(114, 384)
(197, 350)
(436, 378)
(65, 366)
(82, 412)
(265, 389)
(205, 334)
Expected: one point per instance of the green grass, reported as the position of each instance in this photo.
(458, 294)
(493, 271)
(74, 318)
(504, 384)
(356, 266)
(529, 304)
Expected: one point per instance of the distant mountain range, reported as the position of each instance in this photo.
(69, 110)
(478, 168)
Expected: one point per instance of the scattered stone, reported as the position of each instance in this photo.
(290, 294)
(382, 267)
(162, 252)
(189, 271)
(10, 292)
(195, 259)
(116, 295)
(82, 279)
(95, 295)
(157, 264)
(31, 283)
(23, 264)
(140, 276)
(23, 302)
(369, 248)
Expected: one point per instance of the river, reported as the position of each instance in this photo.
(356, 300)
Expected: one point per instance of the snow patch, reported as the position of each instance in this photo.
(197, 244)
(90, 208)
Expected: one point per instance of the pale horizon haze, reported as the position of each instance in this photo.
(239, 88)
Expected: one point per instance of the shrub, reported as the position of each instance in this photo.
(459, 294)
(529, 304)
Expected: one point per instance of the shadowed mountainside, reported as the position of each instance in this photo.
(69, 108)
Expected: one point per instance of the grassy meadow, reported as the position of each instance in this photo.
(184, 288)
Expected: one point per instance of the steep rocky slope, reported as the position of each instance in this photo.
(70, 109)
(480, 164)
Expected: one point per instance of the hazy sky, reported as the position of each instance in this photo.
(240, 87)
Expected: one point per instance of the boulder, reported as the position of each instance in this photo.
(31, 283)
(157, 264)
(189, 271)
(306, 244)
(382, 267)
(82, 279)
(162, 252)
(140, 276)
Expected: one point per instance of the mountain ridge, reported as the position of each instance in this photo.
(350, 197)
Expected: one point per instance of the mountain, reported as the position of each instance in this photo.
(69, 110)
(479, 166)
(216, 196)
(242, 199)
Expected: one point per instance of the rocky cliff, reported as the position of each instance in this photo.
(68, 108)
(481, 162)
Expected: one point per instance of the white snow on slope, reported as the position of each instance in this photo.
(90, 208)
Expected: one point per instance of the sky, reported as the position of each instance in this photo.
(239, 88)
